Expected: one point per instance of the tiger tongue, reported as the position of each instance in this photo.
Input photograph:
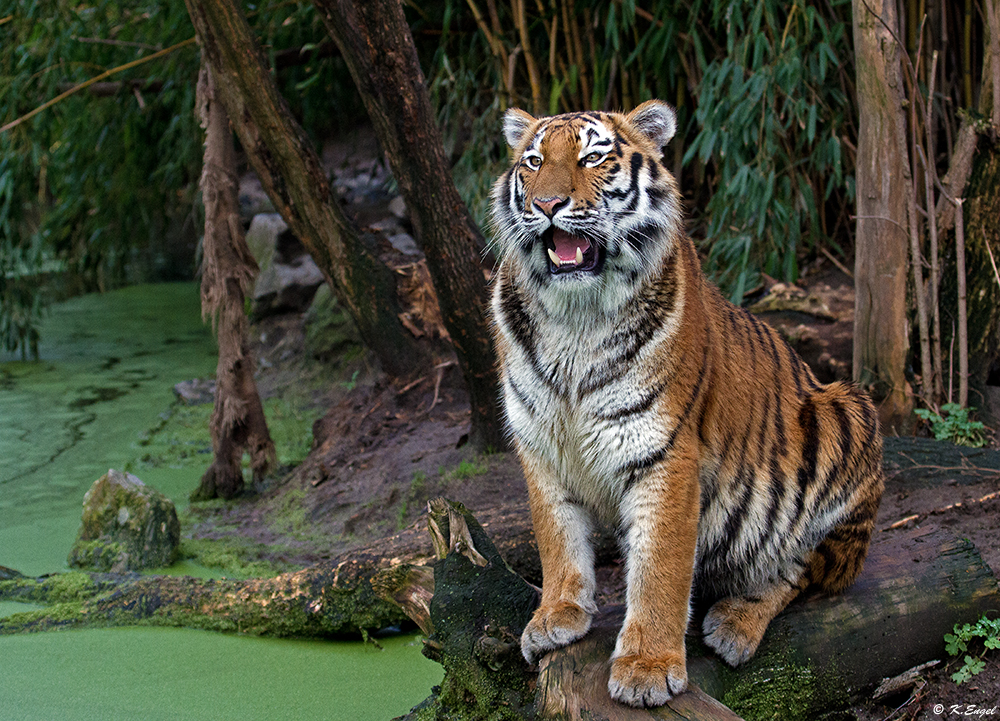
(569, 248)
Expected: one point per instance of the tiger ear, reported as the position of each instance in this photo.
(515, 124)
(656, 120)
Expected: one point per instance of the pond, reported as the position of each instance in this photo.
(103, 382)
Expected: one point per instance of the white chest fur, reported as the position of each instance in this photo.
(581, 399)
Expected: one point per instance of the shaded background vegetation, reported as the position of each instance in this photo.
(100, 189)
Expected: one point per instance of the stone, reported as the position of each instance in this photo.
(397, 206)
(126, 526)
(262, 237)
(404, 243)
(286, 287)
(253, 199)
(196, 391)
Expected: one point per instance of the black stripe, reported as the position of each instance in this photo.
(521, 326)
(809, 424)
(633, 467)
(522, 397)
(641, 406)
(654, 169)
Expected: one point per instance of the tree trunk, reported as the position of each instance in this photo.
(228, 271)
(290, 172)
(376, 43)
(880, 268)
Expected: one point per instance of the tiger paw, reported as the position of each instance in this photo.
(641, 681)
(733, 629)
(552, 627)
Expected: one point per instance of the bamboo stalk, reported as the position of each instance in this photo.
(967, 54)
(992, 9)
(496, 47)
(986, 242)
(520, 20)
(930, 172)
(95, 79)
(570, 18)
(916, 256)
(963, 312)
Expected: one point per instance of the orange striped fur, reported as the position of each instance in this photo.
(637, 396)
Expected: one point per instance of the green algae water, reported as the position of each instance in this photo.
(106, 369)
(103, 382)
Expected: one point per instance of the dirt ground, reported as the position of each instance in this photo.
(382, 451)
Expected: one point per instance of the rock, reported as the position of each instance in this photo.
(196, 391)
(262, 237)
(785, 297)
(288, 276)
(397, 206)
(404, 243)
(286, 288)
(126, 526)
(252, 198)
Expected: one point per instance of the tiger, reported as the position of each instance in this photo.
(637, 396)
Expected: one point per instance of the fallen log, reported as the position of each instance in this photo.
(819, 656)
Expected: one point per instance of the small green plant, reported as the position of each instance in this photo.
(417, 486)
(467, 469)
(954, 425)
(987, 629)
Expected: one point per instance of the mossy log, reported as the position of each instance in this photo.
(316, 602)
(818, 657)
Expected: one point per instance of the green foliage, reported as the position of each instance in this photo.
(90, 187)
(954, 425)
(418, 484)
(467, 469)
(96, 191)
(987, 630)
(769, 81)
(771, 111)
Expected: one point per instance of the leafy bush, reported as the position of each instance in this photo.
(955, 425)
(986, 629)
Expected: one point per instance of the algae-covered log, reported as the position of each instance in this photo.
(817, 657)
(320, 601)
(476, 607)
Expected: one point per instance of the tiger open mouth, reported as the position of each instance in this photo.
(569, 253)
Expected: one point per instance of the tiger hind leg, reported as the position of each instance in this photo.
(734, 626)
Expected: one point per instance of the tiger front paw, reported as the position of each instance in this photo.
(553, 627)
(641, 681)
(733, 629)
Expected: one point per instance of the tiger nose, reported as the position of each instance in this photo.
(550, 206)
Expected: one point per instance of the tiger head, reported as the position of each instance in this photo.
(587, 208)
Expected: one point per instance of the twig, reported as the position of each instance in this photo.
(88, 83)
(986, 241)
(118, 43)
(370, 410)
(437, 384)
(879, 217)
(833, 259)
(938, 511)
(410, 385)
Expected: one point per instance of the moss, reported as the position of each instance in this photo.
(288, 513)
(775, 689)
(236, 557)
(73, 586)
